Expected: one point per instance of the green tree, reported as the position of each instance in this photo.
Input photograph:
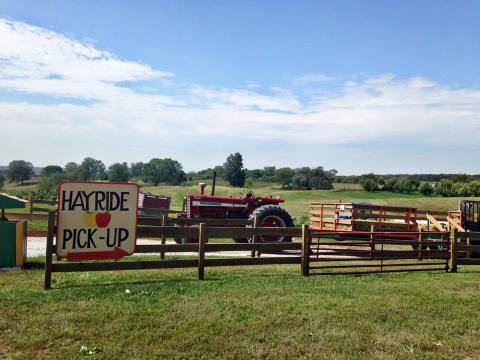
(389, 184)
(91, 169)
(47, 185)
(461, 178)
(51, 169)
(118, 172)
(369, 182)
(445, 188)
(301, 179)
(425, 188)
(268, 173)
(254, 174)
(474, 188)
(20, 170)
(2, 181)
(135, 170)
(321, 179)
(462, 189)
(72, 171)
(284, 176)
(404, 185)
(234, 171)
(167, 171)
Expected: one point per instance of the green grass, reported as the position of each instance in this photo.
(240, 313)
(297, 201)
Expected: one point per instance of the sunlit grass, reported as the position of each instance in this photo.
(242, 312)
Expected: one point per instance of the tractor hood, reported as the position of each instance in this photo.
(236, 200)
(270, 200)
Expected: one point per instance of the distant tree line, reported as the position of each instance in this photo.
(433, 178)
(170, 172)
(304, 178)
(458, 185)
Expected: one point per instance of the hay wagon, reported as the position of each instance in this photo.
(348, 217)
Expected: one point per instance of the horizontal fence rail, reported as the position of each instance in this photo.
(200, 249)
(465, 249)
(374, 252)
(317, 252)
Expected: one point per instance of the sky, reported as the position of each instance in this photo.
(358, 86)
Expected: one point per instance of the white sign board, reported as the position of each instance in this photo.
(96, 220)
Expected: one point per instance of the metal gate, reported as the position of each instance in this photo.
(365, 252)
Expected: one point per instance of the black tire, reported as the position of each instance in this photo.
(272, 213)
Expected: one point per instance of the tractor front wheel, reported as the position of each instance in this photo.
(272, 216)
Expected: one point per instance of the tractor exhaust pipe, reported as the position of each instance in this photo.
(202, 188)
(213, 182)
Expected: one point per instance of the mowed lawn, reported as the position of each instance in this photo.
(240, 313)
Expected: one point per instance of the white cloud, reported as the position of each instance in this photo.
(120, 121)
(37, 60)
(312, 78)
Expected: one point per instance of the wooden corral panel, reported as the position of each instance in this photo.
(361, 217)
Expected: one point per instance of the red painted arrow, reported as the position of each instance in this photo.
(116, 253)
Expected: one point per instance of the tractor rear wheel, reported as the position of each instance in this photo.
(272, 216)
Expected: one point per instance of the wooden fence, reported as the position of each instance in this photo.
(317, 252)
(203, 233)
(465, 249)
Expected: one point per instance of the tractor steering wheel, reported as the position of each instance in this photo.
(249, 193)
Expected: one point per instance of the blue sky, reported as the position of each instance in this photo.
(384, 86)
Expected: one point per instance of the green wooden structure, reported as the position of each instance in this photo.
(13, 234)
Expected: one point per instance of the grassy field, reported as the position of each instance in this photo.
(245, 312)
(296, 201)
(240, 313)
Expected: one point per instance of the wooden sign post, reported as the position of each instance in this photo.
(96, 220)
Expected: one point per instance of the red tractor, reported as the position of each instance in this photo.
(247, 206)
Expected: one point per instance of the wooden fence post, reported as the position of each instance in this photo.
(469, 253)
(453, 250)
(164, 238)
(420, 246)
(372, 241)
(305, 260)
(48, 252)
(30, 205)
(254, 237)
(201, 251)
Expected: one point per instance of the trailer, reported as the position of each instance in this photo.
(348, 217)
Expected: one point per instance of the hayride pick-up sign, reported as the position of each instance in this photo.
(96, 220)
